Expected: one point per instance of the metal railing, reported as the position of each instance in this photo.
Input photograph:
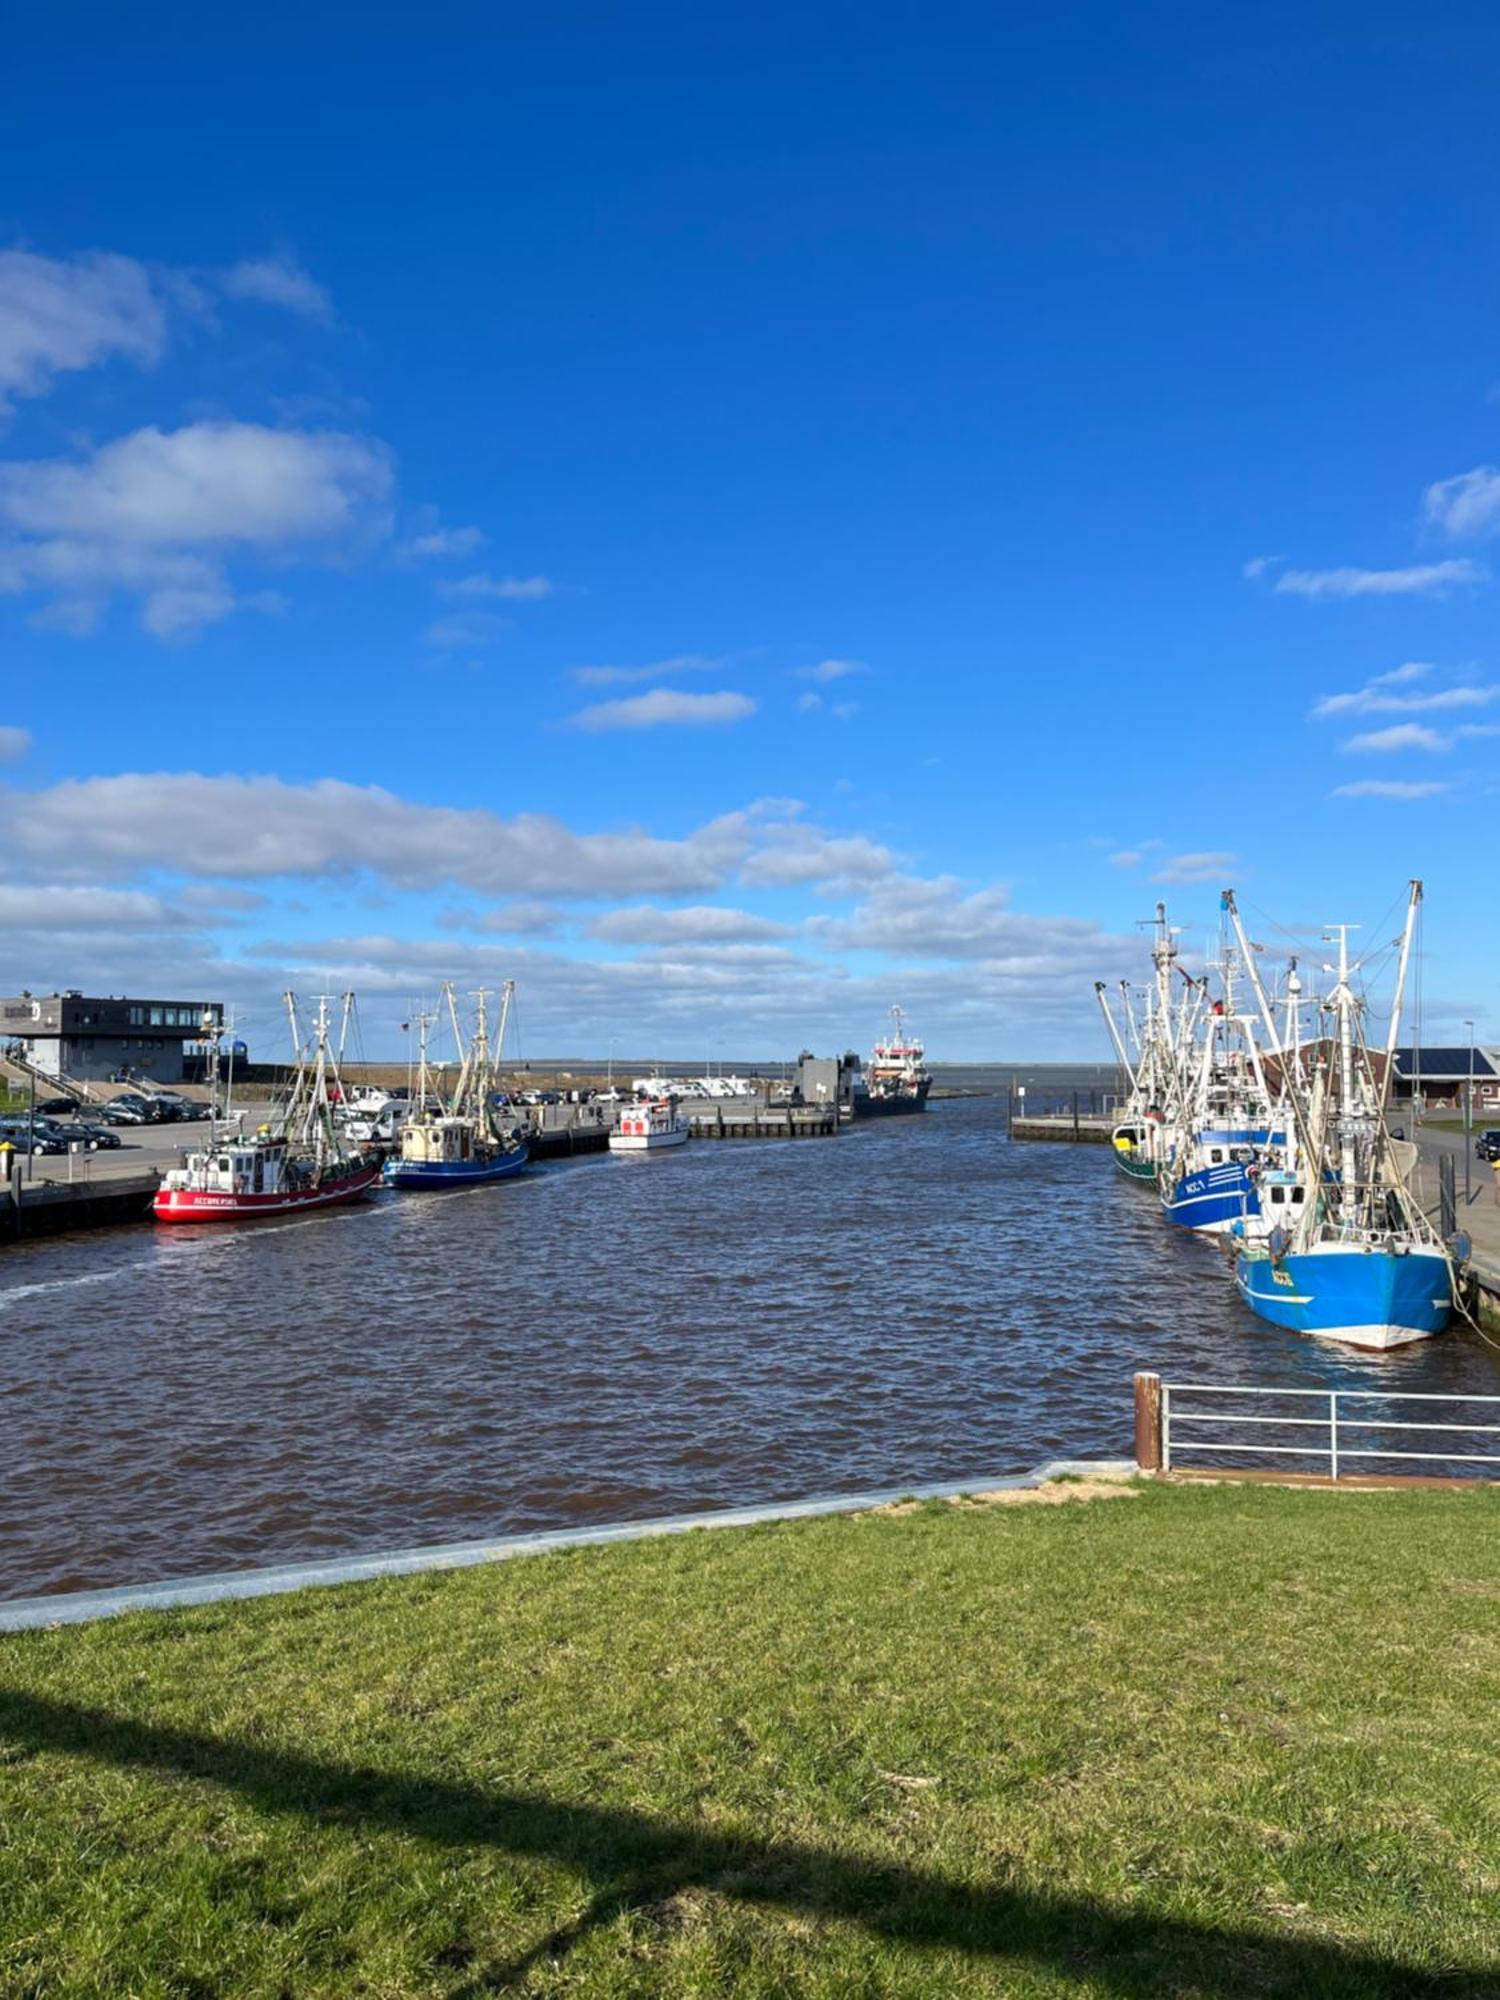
(1339, 1417)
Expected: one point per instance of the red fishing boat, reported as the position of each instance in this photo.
(301, 1162)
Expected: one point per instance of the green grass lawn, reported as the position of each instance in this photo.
(1191, 1741)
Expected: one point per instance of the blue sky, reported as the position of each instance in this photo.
(740, 517)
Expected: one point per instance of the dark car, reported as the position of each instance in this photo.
(125, 1111)
(30, 1136)
(1487, 1145)
(56, 1107)
(98, 1138)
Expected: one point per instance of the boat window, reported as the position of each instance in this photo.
(1216, 1156)
(1297, 1194)
(224, 1165)
(1278, 1194)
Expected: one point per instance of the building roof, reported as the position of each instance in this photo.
(1447, 1064)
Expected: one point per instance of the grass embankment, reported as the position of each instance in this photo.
(1194, 1741)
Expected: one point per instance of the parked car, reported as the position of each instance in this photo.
(98, 1138)
(1487, 1145)
(30, 1136)
(125, 1111)
(56, 1107)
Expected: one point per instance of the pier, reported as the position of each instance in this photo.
(94, 1200)
(713, 1121)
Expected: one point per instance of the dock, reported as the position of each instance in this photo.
(1076, 1127)
(96, 1201)
(713, 1121)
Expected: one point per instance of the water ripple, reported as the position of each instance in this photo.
(604, 1340)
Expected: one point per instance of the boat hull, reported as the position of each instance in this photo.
(865, 1106)
(433, 1176)
(172, 1204)
(646, 1142)
(1363, 1298)
(1212, 1199)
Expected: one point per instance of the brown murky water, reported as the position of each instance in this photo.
(605, 1339)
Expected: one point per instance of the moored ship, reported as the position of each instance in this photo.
(301, 1162)
(898, 1078)
(456, 1142)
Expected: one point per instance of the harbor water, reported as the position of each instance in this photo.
(609, 1339)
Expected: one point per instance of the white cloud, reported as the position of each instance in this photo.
(1258, 565)
(702, 923)
(809, 704)
(1391, 788)
(1128, 857)
(511, 920)
(278, 281)
(1205, 867)
(1401, 736)
(1005, 952)
(665, 706)
(243, 829)
(159, 512)
(1423, 579)
(69, 907)
(62, 314)
(1467, 505)
(518, 589)
(844, 711)
(14, 744)
(1375, 698)
(832, 670)
(465, 628)
(206, 484)
(679, 663)
(439, 542)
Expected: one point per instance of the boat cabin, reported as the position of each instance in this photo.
(259, 1166)
(429, 1141)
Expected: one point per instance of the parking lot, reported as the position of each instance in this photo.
(141, 1147)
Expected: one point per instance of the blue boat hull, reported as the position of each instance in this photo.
(435, 1175)
(1365, 1298)
(1214, 1198)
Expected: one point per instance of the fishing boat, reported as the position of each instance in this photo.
(1355, 1260)
(456, 1142)
(1138, 1142)
(649, 1126)
(301, 1161)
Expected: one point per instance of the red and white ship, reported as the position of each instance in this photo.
(898, 1078)
(302, 1162)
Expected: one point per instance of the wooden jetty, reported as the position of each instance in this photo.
(808, 1121)
(1074, 1126)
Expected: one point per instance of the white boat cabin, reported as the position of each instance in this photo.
(240, 1166)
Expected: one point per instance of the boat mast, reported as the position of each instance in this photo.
(1393, 1032)
(1343, 1003)
(1114, 1033)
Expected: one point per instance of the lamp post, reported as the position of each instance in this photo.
(1469, 1122)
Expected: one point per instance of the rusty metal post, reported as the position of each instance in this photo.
(1075, 1114)
(1148, 1422)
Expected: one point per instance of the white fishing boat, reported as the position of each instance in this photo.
(649, 1126)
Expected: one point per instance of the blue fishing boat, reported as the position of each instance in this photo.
(458, 1142)
(1356, 1291)
(446, 1153)
(1360, 1263)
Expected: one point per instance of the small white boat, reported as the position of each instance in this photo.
(643, 1128)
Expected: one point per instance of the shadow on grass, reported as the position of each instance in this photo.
(637, 1863)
